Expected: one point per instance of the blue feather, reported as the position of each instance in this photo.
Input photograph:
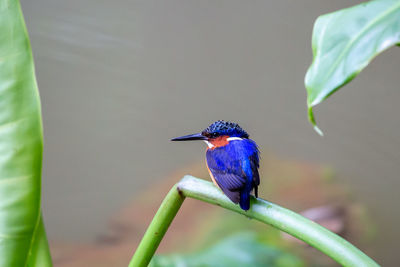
(244, 200)
(235, 169)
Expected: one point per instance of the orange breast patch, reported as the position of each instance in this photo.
(212, 176)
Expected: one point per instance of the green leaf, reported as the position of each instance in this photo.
(238, 250)
(343, 44)
(40, 252)
(22, 237)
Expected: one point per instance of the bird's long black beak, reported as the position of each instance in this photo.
(190, 137)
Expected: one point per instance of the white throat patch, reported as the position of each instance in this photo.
(234, 138)
(209, 144)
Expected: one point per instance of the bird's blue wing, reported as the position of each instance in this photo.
(235, 168)
(254, 164)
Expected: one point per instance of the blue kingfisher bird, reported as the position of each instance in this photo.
(232, 160)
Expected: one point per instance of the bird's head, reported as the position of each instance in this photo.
(217, 134)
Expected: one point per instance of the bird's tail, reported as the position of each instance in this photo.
(244, 200)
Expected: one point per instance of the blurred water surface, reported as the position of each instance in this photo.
(118, 79)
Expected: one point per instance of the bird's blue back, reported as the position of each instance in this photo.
(235, 169)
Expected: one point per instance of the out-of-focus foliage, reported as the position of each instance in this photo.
(343, 44)
(22, 237)
(242, 249)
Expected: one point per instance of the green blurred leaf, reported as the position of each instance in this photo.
(344, 42)
(238, 250)
(22, 237)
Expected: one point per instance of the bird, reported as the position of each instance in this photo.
(232, 159)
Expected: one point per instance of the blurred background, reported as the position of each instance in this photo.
(118, 79)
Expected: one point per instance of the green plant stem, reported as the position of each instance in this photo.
(157, 228)
(283, 219)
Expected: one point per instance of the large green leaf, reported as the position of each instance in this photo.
(22, 237)
(344, 42)
(239, 250)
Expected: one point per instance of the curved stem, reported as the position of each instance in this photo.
(283, 219)
(157, 228)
